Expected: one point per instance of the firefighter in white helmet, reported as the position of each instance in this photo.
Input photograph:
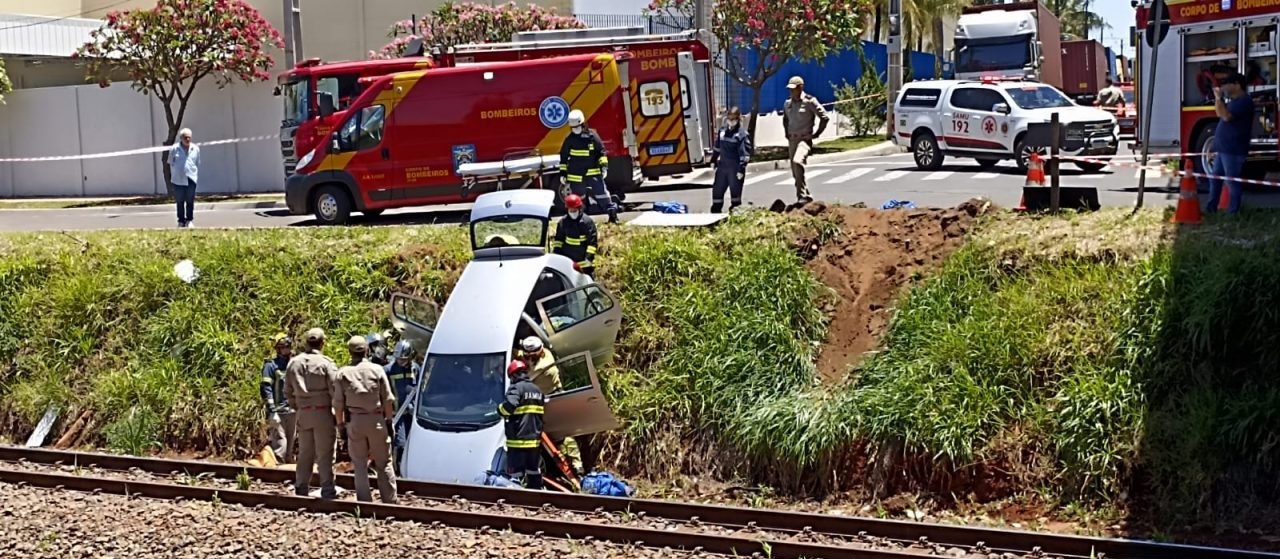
(584, 165)
(542, 365)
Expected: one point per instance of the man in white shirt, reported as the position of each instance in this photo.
(184, 164)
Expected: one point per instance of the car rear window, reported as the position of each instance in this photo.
(920, 97)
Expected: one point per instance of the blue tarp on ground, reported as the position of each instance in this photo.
(821, 78)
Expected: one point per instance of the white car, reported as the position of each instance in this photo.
(512, 288)
(987, 120)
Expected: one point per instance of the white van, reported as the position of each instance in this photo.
(512, 288)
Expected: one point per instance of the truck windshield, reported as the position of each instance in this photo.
(295, 102)
(509, 230)
(1038, 97)
(989, 55)
(461, 392)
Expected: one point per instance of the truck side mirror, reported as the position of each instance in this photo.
(334, 146)
(276, 92)
(1002, 108)
(327, 106)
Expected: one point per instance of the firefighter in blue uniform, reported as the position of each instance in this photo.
(585, 165)
(576, 236)
(402, 372)
(731, 155)
(523, 408)
(280, 415)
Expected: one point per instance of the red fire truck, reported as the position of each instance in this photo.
(447, 135)
(669, 86)
(315, 96)
(1203, 34)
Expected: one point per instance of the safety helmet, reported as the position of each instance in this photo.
(404, 350)
(516, 367)
(358, 344)
(576, 118)
(282, 340)
(531, 344)
(573, 202)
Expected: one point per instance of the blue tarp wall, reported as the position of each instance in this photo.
(821, 78)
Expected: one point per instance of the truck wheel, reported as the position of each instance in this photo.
(1204, 146)
(333, 205)
(1023, 155)
(985, 164)
(925, 150)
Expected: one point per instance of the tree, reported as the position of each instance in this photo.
(1075, 16)
(5, 85)
(864, 101)
(934, 12)
(757, 37)
(169, 49)
(458, 24)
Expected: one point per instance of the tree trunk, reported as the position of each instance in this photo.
(938, 32)
(878, 22)
(756, 91)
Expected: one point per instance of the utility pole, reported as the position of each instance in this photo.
(894, 48)
(292, 33)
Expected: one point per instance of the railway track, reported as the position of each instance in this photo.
(649, 523)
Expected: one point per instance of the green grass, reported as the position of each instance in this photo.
(846, 143)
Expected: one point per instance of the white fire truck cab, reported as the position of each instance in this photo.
(1205, 35)
(987, 120)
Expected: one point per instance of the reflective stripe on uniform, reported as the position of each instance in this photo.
(575, 241)
(594, 172)
(574, 178)
(529, 409)
(586, 264)
(556, 244)
(604, 160)
(580, 153)
(591, 249)
(502, 410)
(517, 443)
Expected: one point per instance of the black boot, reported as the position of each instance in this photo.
(613, 215)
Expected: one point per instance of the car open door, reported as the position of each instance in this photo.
(414, 318)
(693, 86)
(582, 319)
(579, 408)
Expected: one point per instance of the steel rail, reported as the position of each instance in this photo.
(540, 527)
(994, 539)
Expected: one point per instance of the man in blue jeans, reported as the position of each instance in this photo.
(184, 164)
(1230, 140)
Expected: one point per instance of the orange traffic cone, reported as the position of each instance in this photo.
(1188, 211)
(1035, 170)
(1224, 201)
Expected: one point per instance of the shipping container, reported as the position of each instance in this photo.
(1084, 67)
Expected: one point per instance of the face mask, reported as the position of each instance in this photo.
(575, 215)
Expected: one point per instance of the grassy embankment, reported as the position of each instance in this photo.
(1084, 360)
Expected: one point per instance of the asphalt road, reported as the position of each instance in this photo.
(872, 180)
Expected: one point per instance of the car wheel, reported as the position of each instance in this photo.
(1090, 167)
(1023, 157)
(987, 163)
(373, 213)
(1204, 146)
(927, 154)
(333, 205)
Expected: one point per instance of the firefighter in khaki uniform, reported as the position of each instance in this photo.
(584, 163)
(523, 407)
(365, 404)
(308, 385)
(798, 115)
(576, 236)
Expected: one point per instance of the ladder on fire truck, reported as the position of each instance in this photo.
(619, 36)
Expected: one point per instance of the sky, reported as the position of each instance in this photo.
(1119, 15)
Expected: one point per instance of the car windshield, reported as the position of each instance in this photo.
(509, 230)
(295, 102)
(1038, 97)
(1008, 54)
(462, 392)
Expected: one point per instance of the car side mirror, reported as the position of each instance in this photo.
(1002, 108)
(327, 107)
(334, 146)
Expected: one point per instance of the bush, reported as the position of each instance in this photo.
(864, 102)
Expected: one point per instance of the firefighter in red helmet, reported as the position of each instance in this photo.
(576, 236)
(523, 407)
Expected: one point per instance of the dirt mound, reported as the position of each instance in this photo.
(875, 255)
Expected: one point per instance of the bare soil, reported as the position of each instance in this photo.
(876, 254)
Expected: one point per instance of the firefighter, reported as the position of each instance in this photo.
(522, 409)
(731, 155)
(365, 404)
(377, 348)
(584, 164)
(541, 364)
(280, 415)
(576, 236)
(402, 374)
(308, 385)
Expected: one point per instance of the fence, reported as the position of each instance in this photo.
(653, 24)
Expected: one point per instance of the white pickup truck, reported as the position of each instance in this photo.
(987, 120)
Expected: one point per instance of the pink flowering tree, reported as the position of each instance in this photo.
(462, 23)
(169, 49)
(772, 32)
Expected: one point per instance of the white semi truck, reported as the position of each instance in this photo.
(1014, 40)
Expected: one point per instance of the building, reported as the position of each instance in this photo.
(52, 112)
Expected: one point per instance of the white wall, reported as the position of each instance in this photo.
(88, 119)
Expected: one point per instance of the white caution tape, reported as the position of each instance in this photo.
(1232, 179)
(138, 151)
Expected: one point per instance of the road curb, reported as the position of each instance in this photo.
(882, 148)
(159, 208)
